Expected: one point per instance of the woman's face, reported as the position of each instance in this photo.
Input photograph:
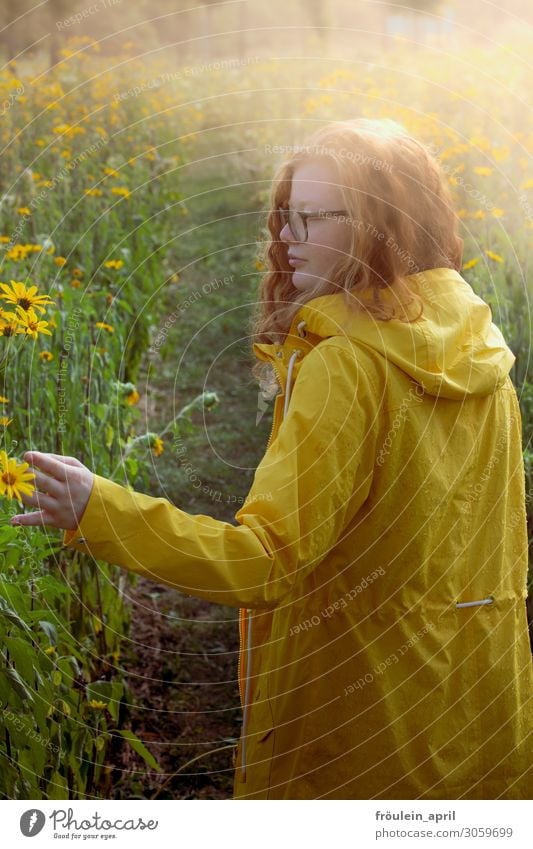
(314, 187)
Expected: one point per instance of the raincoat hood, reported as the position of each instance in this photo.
(454, 350)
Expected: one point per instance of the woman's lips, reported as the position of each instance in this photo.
(294, 261)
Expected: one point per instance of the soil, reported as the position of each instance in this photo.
(182, 676)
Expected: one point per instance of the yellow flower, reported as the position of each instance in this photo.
(105, 326)
(260, 265)
(93, 193)
(4, 239)
(68, 130)
(60, 260)
(493, 256)
(111, 172)
(95, 704)
(528, 184)
(50, 650)
(75, 283)
(496, 212)
(158, 446)
(18, 252)
(10, 324)
(4, 400)
(470, 264)
(4, 421)
(114, 263)
(483, 170)
(77, 272)
(46, 356)
(23, 210)
(23, 297)
(133, 397)
(120, 190)
(14, 479)
(31, 323)
(479, 213)
(480, 142)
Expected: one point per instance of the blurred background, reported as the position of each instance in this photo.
(350, 29)
(138, 141)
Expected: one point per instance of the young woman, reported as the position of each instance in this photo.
(380, 558)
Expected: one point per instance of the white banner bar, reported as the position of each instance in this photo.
(227, 824)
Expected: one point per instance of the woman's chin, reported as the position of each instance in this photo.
(304, 282)
(301, 280)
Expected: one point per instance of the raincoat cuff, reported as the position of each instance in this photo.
(97, 523)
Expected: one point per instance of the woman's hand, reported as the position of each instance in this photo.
(63, 486)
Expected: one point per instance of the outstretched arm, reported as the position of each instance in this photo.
(312, 480)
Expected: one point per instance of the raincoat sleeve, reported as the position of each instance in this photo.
(311, 481)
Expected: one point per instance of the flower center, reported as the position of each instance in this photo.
(24, 303)
(9, 479)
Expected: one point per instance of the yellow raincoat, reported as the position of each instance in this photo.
(379, 560)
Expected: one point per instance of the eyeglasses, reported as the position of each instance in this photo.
(297, 221)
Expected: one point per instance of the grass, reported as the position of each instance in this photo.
(208, 349)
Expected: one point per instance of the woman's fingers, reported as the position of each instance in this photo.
(41, 500)
(47, 484)
(68, 461)
(36, 518)
(62, 488)
(51, 464)
(42, 516)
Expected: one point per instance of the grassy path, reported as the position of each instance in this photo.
(183, 653)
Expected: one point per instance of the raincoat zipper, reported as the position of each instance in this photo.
(273, 417)
(245, 625)
(248, 619)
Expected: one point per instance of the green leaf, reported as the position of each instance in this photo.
(11, 616)
(23, 656)
(109, 436)
(7, 534)
(33, 758)
(57, 787)
(15, 681)
(138, 747)
(13, 595)
(50, 587)
(50, 631)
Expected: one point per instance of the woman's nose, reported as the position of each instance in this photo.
(286, 234)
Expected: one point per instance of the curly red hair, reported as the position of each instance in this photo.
(391, 184)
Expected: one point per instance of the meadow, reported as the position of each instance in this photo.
(134, 198)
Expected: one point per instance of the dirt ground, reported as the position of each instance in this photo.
(182, 667)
